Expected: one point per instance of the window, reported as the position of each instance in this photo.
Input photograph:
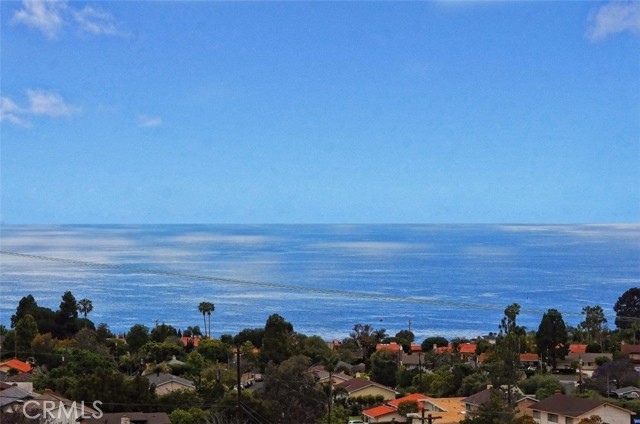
(552, 418)
(536, 414)
(568, 420)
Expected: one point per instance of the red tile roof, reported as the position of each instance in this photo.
(392, 347)
(529, 357)
(378, 411)
(195, 340)
(415, 397)
(416, 347)
(467, 348)
(577, 348)
(17, 365)
(629, 348)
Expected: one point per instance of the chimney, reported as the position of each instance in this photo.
(435, 346)
(125, 420)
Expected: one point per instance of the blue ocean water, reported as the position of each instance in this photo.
(450, 280)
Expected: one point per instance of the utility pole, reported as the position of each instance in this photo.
(429, 418)
(239, 385)
(419, 372)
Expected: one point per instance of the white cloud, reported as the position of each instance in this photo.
(40, 102)
(10, 112)
(149, 121)
(96, 21)
(50, 17)
(614, 17)
(48, 103)
(43, 15)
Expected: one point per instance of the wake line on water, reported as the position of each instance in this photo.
(269, 285)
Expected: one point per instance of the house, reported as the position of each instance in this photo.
(23, 380)
(529, 360)
(166, 383)
(467, 351)
(577, 348)
(56, 409)
(14, 365)
(585, 361)
(633, 350)
(392, 347)
(449, 409)
(12, 399)
(475, 401)
(128, 418)
(629, 392)
(193, 341)
(564, 409)
(362, 387)
(336, 378)
(413, 361)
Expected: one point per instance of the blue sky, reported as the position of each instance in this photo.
(323, 112)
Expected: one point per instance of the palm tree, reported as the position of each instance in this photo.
(206, 308)
(84, 307)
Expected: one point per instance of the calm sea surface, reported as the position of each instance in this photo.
(450, 280)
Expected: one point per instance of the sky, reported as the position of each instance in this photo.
(319, 112)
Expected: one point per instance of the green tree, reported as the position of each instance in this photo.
(137, 336)
(254, 335)
(552, 338)
(408, 407)
(85, 306)
(506, 357)
(429, 342)
(293, 388)
(275, 344)
(384, 366)
(627, 310)
(594, 324)
(160, 332)
(214, 350)
(494, 411)
(366, 338)
(66, 317)
(205, 309)
(26, 331)
(315, 348)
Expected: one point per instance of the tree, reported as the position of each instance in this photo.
(293, 388)
(430, 342)
(275, 344)
(137, 336)
(594, 324)
(67, 316)
(85, 306)
(552, 338)
(627, 309)
(384, 366)
(26, 330)
(366, 338)
(408, 407)
(26, 306)
(205, 309)
(506, 358)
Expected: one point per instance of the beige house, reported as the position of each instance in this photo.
(563, 409)
(363, 387)
(167, 383)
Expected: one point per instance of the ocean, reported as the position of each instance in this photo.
(448, 280)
